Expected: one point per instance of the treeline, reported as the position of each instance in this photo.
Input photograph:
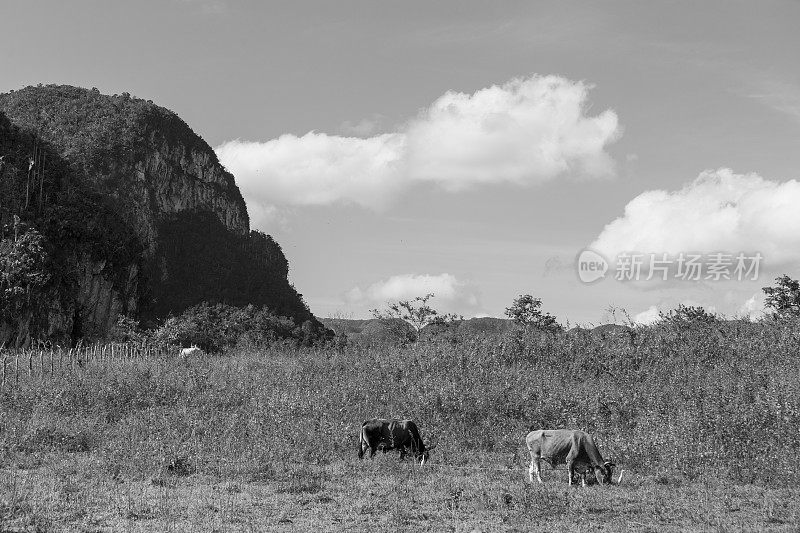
(221, 327)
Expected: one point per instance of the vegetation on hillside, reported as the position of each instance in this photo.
(92, 130)
(23, 275)
(71, 220)
(219, 327)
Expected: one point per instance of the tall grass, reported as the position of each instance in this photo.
(719, 400)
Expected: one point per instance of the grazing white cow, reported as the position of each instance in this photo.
(192, 350)
(574, 448)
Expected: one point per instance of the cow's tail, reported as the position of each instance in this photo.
(417, 445)
(361, 439)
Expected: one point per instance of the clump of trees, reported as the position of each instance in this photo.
(526, 312)
(685, 314)
(783, 300)
(215, 328)
(23, 276)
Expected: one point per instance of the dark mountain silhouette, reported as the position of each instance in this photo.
(138, 214)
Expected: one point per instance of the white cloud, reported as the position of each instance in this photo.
(753, 308)
(718, 212)
(648, 316)
(316, 169)
(449, 291)
(525, 131)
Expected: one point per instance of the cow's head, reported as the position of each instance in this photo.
(604, 473)
(424, 453)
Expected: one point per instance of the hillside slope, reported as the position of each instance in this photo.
(139, 215)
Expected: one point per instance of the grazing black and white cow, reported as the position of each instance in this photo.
(574, 448)
(392, 434)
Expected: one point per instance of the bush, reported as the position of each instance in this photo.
(23, 275)
(217, 327)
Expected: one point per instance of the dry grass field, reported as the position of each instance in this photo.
(704, 418)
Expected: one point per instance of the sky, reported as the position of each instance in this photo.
(474, 150)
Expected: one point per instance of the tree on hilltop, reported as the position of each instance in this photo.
(526, 312)
(416, 313)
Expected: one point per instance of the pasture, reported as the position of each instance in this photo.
(704, 418)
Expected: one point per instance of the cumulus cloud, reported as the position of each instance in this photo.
(720, 211)
(448, 289)
(316, 169)
(524, 132)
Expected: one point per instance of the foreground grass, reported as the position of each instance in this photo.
(705, 421)
(71, 493)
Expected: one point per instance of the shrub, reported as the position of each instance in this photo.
(685, 314)
(217, 327)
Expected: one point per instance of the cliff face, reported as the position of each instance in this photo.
(155, 223)
(173, 177)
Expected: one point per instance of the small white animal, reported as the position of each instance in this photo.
(192, 350)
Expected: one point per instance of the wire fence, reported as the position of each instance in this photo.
(48, 363)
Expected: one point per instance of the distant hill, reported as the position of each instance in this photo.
(139, 216)
(370, 331)
(393, 331)
(377, 330)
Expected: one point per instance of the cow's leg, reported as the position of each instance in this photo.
(535, 468)
(372, 450)
(570, 459)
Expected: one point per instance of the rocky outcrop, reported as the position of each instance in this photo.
(101, 300)
(173, 178)
(153, 223)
